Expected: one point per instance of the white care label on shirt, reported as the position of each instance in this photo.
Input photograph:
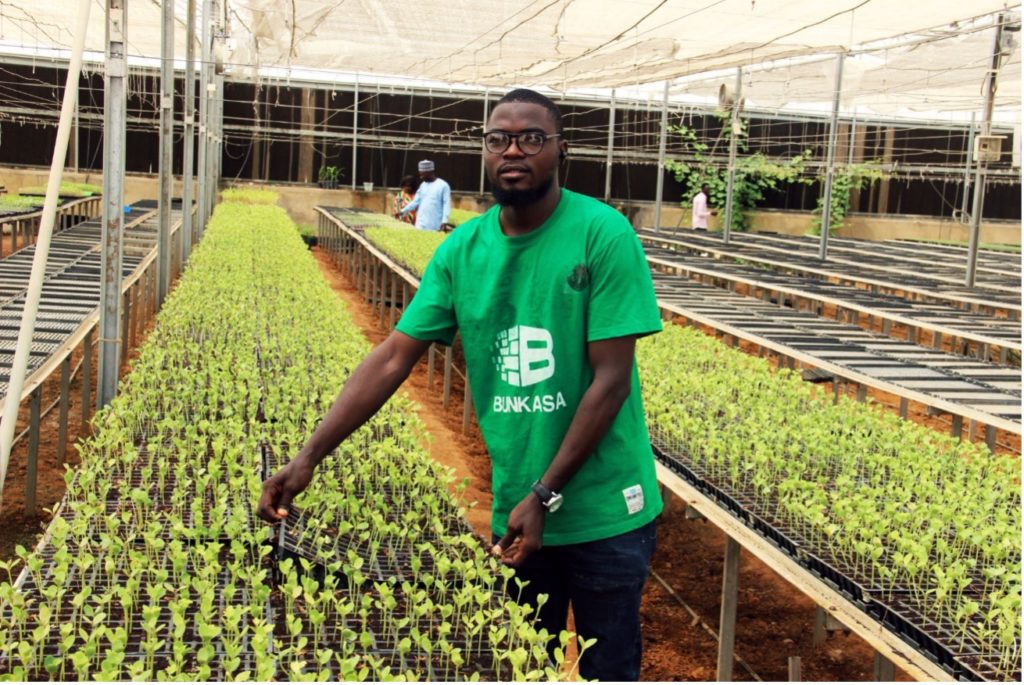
(634, 498)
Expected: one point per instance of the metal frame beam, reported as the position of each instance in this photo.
(115, 110)
(188, 144)
(982, 167)
(662, 144)
(487, 115)
(733, 141)
(610, 148)
(204, 114)
(830, 163)
(355, 128)
(163, 242)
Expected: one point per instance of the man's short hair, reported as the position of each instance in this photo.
(535, 98)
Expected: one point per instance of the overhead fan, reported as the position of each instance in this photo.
(727, 99)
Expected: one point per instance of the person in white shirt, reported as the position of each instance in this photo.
(433, 201)
(700, 208)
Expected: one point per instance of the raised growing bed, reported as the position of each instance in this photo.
(889, 513)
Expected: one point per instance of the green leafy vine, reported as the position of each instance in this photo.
(755, 174)
(847, 179)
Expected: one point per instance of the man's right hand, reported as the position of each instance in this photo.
(280, 489)
(365, 391)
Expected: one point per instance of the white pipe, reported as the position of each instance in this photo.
(35, 283)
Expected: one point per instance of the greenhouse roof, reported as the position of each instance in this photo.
(905, 57)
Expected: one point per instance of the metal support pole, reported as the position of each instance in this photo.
(393, 308)
(487, 114)
(852, 142)
(163, 241)
(86, 377)
(355, 128)
(431, 353)
(727, 620)
(967, 171)
(990, 438)
(188, 145)
(884, 671)
(65, 397)
(35, 412)
(114, 104)
(982, 168)
(211, 121)
(467, 404)
(957, 429)
(447, 390)
(733, 141)
(74, 140)
(662, 144)
(830, 164)
(204, 114)
(127, 307)
(218, 147)
(793, 665)
(608, 153)
(819, 634)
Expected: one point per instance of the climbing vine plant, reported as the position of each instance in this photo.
(847, 179)
(755, 174)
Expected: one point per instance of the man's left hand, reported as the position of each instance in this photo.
(525, 534)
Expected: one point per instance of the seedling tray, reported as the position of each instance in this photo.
(957, 652)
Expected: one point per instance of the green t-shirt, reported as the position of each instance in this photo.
(526, 307)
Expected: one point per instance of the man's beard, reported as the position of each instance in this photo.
(521, 198)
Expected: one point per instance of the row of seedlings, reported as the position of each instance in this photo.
(155, 567)
(920, 529)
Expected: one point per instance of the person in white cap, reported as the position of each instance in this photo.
(433, 201)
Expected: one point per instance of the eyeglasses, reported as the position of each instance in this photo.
(529, 142)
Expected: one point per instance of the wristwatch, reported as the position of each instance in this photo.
(551, 500)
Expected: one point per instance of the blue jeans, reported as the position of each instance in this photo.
(603, 581)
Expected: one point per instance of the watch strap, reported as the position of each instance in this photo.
(544, 493)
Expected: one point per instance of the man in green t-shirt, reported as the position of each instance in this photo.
(549, 290)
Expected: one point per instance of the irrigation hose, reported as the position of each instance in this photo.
(697, 621)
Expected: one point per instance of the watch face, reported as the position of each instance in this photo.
(555, 504)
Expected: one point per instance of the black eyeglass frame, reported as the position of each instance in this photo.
(515, 137)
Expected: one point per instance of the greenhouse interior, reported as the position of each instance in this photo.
(797, 324)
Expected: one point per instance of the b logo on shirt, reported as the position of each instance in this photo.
(579, 279)
(523, 355)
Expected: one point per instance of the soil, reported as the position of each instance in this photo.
(22, 527)
(775, 621)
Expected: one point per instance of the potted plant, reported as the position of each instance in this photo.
(329, 177)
